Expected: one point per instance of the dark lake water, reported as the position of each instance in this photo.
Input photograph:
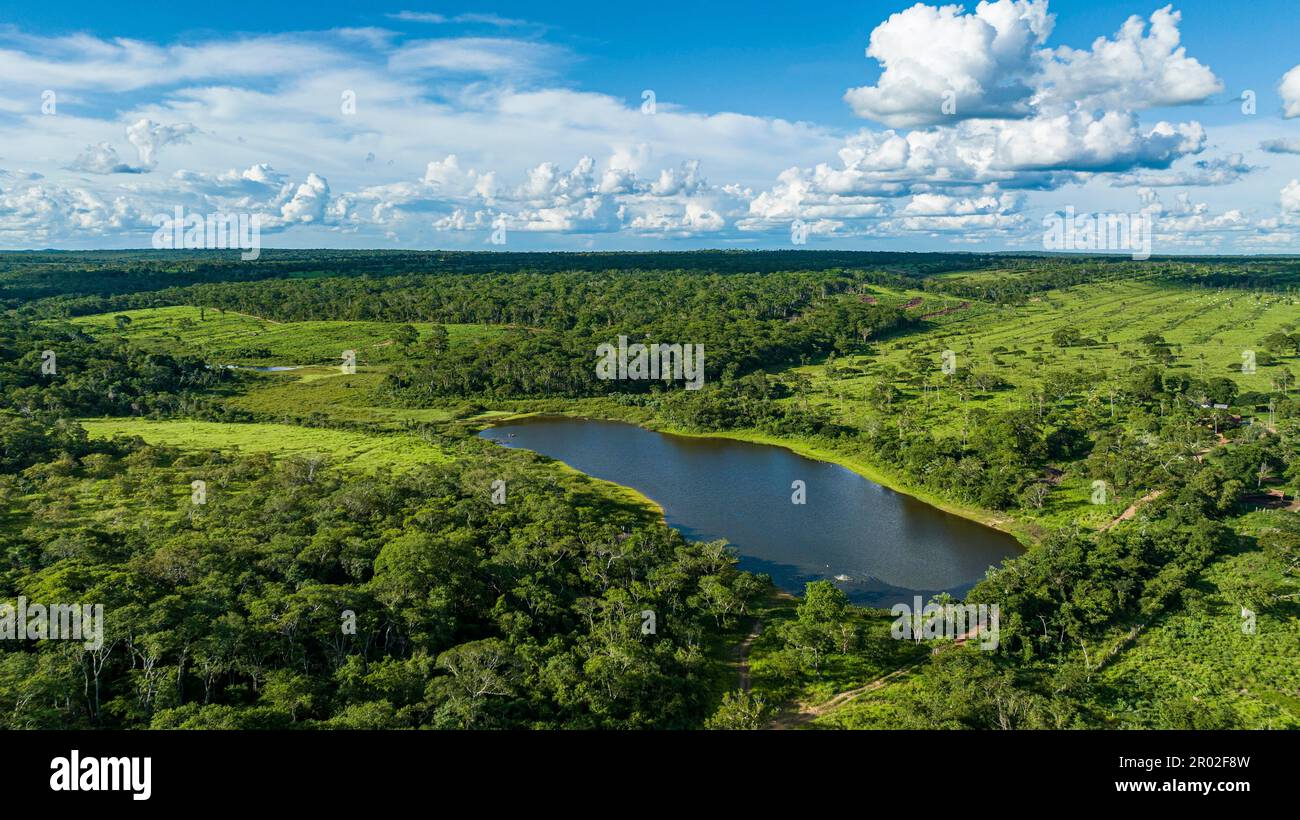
(890, 545)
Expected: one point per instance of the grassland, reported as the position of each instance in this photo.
(1206, 330)
(363, 452)
(349, 425)
(223, 337)
(316, 389)
(327, 394)
(356, 451)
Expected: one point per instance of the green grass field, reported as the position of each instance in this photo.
(317, 389)
(347, 450)
(236, 338)
(326, 392)
(1207, 330)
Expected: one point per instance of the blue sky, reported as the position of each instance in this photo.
(788, 60)
(530, 116)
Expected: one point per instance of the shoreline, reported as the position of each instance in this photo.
(866, 470)
(870, 472)
(633, 494)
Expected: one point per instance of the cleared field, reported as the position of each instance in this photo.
(916, 302)
(347, 450)
(1206, 331)
(236, 338)
(299, 395)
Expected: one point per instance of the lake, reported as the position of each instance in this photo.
(890, 545)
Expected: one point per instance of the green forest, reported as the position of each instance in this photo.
(329, 544)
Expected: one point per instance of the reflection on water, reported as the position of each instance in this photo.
(885, 546)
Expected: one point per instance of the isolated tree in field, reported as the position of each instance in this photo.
(438, 341)
(1278, 342)
(1067, 337)
(405, 336)
(882, 394)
